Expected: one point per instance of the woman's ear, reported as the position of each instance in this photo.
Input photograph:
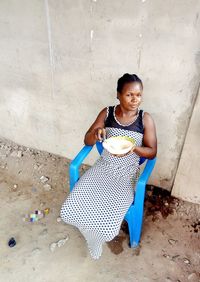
(118, 95)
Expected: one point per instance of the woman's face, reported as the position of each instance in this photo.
(131, 96)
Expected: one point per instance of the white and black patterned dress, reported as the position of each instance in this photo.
(100, 199)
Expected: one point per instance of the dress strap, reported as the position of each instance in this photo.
(141, 115)
(109, 112)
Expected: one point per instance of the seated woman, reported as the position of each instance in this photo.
(100, 199)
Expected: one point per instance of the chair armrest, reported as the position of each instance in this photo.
(147, 170)
(75, 164)
(142, 181)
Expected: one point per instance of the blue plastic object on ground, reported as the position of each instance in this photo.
(134, 215)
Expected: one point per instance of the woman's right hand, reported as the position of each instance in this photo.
(100, 134)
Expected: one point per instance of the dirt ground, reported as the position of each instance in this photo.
(170, 243)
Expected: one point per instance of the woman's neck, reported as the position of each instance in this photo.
(125, 113)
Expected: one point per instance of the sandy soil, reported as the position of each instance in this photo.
(170, 244)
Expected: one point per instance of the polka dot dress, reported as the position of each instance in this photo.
(100, 199)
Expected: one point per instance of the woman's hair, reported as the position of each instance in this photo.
(127, 78)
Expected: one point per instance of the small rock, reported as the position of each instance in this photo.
(52, 247)
(149, 193)
(185, 260)
(58, 244)
(193, 277)
(58, 219)
(15, 186)
(3, 166)
(157, 216)
(37, 166)
(44, 232)
(61, 242)
(42, 204)
(36, 251)
(44, 179)
(47, 187)
(175, 257)
(168, 279)
(172, 241)
(34, 190)
(166, 256)
(3, 156)
(17, 154)
(12, 242)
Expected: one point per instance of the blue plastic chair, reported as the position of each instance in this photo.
(134, 215)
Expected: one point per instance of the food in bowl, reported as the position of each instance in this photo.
(119, 145)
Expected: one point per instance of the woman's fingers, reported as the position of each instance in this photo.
(100, 134)
(103, 133)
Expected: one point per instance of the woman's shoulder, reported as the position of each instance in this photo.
(146, 114)
(147, 118)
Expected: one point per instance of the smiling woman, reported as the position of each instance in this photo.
(102, 196)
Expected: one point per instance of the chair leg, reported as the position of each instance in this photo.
(134, 220)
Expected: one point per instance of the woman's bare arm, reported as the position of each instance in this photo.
(149, 148)
(96, 132)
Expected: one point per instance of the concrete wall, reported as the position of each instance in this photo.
(187, 181)
(60, 61)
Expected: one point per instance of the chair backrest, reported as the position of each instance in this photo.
(100, 150)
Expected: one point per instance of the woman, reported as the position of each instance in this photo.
(102, 196)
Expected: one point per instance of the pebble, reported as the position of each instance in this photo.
(175, 257)
(34, 190)
(37, 166)
(58, 219)
(193, 277)
(44, 179)
(186, 261)
(3, 156)
(166, 256)
(12, 242)
(172, 241)
(168, 279)
(15, 186)
(42, 204)
(17, 154)
(36, 251)
(47, 187)
(52, 247)
(44, 232)
(149, 193)
(58, 244)
(61, 242)
(3, 166)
